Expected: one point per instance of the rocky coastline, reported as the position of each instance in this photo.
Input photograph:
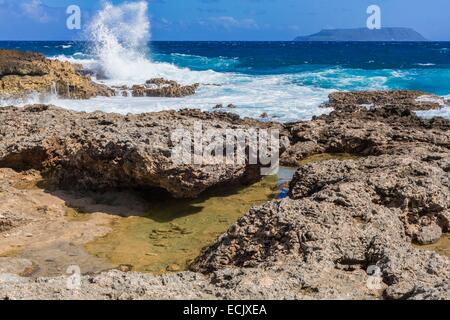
(349, 228)
(25, 73)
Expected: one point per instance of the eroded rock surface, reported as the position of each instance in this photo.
(347, 215)
(100, 151)
(413, 100)
(160, 87)
(345, 231)
(390, 126)
(23, 73)
(355, 214)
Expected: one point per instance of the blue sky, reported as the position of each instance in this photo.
(229, 19)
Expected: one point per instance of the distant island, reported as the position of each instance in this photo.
(364, 34)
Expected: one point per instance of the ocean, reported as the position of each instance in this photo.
(287, 80)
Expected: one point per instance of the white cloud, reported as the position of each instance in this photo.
(35, 10)
(28, 9)
(228, 22)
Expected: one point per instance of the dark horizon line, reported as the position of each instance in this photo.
(355, 41)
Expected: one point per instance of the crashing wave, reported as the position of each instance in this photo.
(120, 35)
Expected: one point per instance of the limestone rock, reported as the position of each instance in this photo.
(354, 215)
(389, 127)
(23, 73)
(101, 151)
(160, 87)
(345, 231)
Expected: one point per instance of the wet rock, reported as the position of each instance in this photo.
(160, 87)
(22, 73)
(221, 106)
(428, 234)
(413, 100)
(264, 115)
(388, 128)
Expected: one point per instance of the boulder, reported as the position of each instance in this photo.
(100, 151)
(160, 87)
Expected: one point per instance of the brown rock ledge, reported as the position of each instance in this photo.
(23, 73)
(101, 151)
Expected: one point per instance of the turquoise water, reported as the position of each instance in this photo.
(288, 80)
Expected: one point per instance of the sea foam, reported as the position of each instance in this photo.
(120, 35)
(118, 53)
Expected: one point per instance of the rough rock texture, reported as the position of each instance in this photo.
(388, 127)
(99, 150)
(23, 73)
(338, 217)
(163, 88)
(355, 214)
(232, 284)
(413, 100)
(345, 231)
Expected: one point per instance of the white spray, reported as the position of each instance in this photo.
(120, 35)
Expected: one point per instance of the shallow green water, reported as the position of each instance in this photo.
(442, 246)
(174, 232)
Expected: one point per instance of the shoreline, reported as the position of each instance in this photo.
(384, 187)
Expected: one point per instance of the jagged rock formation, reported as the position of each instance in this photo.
(355, 214)
(372, 123)
(160, 87)
(412, 100)
(23, 73)
(100, 151)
